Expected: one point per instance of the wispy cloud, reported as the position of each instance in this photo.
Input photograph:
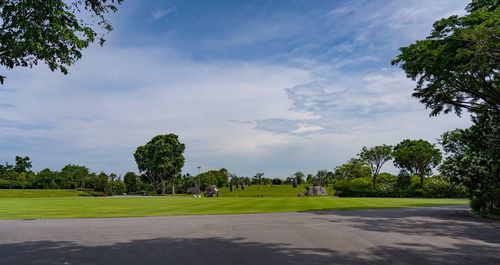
(278, 91)
(157, 14)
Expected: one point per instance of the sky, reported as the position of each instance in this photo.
(251, 86)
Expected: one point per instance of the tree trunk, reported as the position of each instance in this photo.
(173, 188)
(421, 181)
(374, 178)
(162, 187)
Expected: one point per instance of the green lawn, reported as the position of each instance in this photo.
(90, 207)
(285, 190)
(18, 193)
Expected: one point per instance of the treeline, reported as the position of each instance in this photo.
(20, 176)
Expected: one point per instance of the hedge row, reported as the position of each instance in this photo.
(388, 185)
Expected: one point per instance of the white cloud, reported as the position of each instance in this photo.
(301, 113)
(157, 14)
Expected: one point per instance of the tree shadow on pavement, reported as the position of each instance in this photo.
(452, 221)
(222, 251)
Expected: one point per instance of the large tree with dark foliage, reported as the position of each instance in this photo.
(474, 161)
(457, 66)
(160, 160)
(417, 157)
(457, 69)
(51, 31)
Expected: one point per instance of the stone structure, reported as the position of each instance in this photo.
(211, 191)
(316, 191)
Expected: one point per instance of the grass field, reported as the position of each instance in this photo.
(93, 207)
(17, 193)
(267, 191)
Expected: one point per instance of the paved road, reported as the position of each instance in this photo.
(440, 235)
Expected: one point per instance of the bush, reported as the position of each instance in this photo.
(402, 186)
(438, 187)
(487, 204)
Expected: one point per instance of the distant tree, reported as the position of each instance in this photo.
(73, 176)
(130, 179)
(100, 183)
(277, 181)
(322, 178)
(23, 164)
(161, 159)
(214, 177)
(418, 157)
(299, 177)
(45, 179)
(457, 65)
(376, 157)
(310, 178)
(354, 168)
(257, 179)
(51, 31)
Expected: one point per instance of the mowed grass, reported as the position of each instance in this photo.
(285, 190)
(94, 207)
(18, 193)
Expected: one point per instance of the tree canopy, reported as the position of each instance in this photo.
(418, 157)
(51, 31)
(457, 66)
(376, 157)
(473, 160)
(354, 168)
(160, 159)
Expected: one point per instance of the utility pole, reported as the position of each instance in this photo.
(199, 179)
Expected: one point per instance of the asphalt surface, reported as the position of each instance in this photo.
(438, 235)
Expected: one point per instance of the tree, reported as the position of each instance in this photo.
(73, 176)
(457, 66)
(130, 180)
(161, 159)
(354, 168)
(213, 177)
(299, 177)
(51, 31)
(257, 179)
(23, 164)
(376, 157)
(322, 178)
(473, 160)
(418, 157)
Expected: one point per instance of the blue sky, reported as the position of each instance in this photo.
(252, 86)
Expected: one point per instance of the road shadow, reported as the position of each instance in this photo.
(449, 221)
(223, 251)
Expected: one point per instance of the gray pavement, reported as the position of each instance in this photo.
(438, 235)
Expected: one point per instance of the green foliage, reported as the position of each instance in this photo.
(355, 168)
(160, 160)
(438, 187)
(23, 164)
(322, 178)
(257, 179)
(299, 177)
(52, 31)
(473, 160)
(131, 180)
(214, 177)
(391, 186)
(376, 157)
(457, 65)
(418, 157)
(70, 177)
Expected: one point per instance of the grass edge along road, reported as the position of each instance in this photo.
(107, 207)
